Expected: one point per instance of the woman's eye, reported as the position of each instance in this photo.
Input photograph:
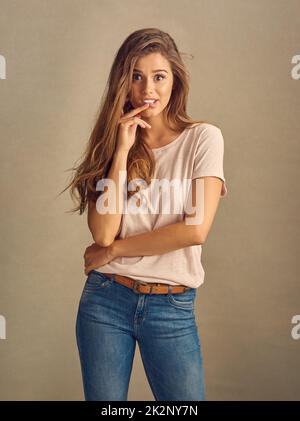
(136, 74)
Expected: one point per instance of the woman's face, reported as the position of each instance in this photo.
(152, 78)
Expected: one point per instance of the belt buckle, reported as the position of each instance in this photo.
(137, 282)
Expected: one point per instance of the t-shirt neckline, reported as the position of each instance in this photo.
(169, 144)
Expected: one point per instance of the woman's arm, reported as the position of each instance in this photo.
(162, 240)
(165, 239)
(174, 236)
(104, 227)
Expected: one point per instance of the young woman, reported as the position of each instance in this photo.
(144, 267)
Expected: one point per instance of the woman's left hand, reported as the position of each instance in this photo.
(96, 256)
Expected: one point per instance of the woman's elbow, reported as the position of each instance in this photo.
(103, 241)
(201, 236)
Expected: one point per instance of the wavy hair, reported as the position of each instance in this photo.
(98, 155)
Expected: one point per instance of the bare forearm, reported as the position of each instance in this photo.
(107, 225)
(162, 240)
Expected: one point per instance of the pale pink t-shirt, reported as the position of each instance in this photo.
(196, 152)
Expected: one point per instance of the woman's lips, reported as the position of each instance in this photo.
(152, 105)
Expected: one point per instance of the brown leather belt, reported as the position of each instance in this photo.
(147, 287)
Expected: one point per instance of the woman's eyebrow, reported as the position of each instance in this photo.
(154, 71)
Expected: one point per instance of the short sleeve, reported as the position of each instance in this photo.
(209, 154)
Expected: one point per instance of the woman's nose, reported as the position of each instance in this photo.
(148, 86)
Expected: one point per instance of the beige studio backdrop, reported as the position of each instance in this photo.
(55, 56)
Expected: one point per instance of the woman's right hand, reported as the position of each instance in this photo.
(127, 127)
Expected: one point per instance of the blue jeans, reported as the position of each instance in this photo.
(111, 318)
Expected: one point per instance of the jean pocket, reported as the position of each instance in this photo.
(96, 280)
(184, 300)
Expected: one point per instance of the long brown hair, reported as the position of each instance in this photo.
(99, 151)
